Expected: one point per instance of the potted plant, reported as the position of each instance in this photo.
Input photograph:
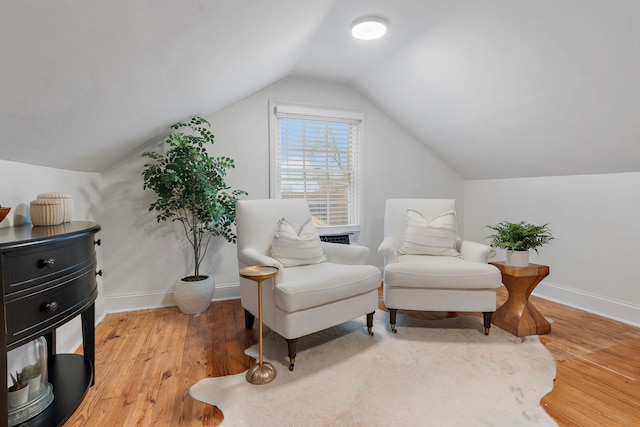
(518, 238)
(18, 392)
(31, 375)
(190, 188)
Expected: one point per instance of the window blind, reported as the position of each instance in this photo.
(317, 158)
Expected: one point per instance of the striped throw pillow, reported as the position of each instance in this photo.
(293, 248)
(437, 237)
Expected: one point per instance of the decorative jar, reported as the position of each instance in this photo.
(65, 200)
(46, 212)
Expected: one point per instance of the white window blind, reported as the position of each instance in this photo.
(316, 156)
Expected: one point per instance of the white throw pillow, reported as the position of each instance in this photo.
(437, 237)
(301, 248)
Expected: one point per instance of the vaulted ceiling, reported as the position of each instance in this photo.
(496, 88)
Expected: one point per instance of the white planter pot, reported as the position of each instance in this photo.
(34, 387)
(194, 297)
(18, 397)
(518, 258)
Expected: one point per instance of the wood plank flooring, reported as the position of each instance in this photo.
(147, 360)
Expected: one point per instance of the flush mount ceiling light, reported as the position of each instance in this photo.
(369, 28)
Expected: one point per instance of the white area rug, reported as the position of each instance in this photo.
(431, 373)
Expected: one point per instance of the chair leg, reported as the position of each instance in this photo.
(292, 352)
(487, 321)
(248, 319)
(370, 323)
(392, 319)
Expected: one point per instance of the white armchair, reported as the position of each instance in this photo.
(301, 299)
(428, 267)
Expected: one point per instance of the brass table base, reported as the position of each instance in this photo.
(261, 373)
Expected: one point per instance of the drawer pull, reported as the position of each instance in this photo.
(49, 262)
(99, 273)
(51, 307)
(98, 242)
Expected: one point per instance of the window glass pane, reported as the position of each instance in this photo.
(317, 159)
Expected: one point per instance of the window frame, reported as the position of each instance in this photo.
(319, 113)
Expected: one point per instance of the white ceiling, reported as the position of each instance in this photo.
(496, 88)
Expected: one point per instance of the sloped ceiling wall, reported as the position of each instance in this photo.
(496, 88)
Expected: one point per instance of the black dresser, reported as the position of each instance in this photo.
(48, 277)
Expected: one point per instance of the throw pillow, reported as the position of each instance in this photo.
(293, 248)
(437, 237)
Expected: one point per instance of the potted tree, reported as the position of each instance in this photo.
(191, 189)
(518, 238)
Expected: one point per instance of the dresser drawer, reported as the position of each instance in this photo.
(29, 315)
(27, 267)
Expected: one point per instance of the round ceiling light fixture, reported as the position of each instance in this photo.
(369, 28)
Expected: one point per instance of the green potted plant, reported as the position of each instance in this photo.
(18, 393)
(31, 375)
(518, 238)
(191, 189)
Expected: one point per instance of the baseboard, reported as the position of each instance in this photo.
(597, 304)
(69, 336)
(147, 300)
(68, 340)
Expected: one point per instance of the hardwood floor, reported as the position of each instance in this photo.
(147, 360)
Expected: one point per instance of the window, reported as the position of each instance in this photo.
(315, 155)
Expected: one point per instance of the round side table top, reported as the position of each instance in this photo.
(258, 272)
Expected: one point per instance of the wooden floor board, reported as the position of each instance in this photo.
(147, 360)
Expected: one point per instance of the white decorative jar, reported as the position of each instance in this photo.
(518, 258)
(65, 200)
(46, 212)
(194, 297)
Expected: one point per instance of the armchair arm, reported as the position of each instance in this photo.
(249, 256)
(388, 249)
(345, 254)
(478, 252)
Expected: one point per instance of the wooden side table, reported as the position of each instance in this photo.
(518, 315)
(261, 372)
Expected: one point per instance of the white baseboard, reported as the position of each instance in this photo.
(69, 336)
(597, 304)
(147, 300)
(68, 340)
(227, 291)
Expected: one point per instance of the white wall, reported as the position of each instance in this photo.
(21, 183)
(143, 259)
(595, 220)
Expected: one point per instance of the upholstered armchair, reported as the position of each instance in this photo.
(318, 285)
(428, 267)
